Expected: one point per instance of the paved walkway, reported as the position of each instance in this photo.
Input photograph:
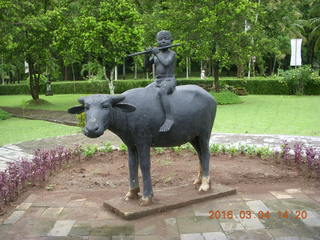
(279, 214)
(290, 214)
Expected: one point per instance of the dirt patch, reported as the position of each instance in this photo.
(109, 172)
(246, 174)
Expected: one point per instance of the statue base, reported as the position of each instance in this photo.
(165, 200)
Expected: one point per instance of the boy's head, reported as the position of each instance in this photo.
(164, 38)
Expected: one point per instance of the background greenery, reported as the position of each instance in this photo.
(272, 114)
(80, 39)
(286, 86)
(4, 115)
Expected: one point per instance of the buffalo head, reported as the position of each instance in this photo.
(98, 110)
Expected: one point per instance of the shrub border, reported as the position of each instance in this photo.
(254, 86)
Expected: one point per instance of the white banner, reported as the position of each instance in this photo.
(296, 52)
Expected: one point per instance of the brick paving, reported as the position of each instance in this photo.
(89, 220)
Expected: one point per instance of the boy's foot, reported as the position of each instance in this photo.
(166, 126)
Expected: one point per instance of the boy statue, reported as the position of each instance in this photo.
(164, 60)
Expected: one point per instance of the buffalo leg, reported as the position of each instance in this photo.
(133, 163)
(145, 165)
(201, 144)
(196, 145)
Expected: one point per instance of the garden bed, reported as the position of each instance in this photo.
(253, 171)
(248, 174)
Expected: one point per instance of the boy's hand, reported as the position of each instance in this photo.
(155, 51)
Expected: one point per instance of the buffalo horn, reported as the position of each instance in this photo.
(116, 99)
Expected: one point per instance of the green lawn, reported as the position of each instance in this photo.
(59, 102)
(16, 130)
(264, 114)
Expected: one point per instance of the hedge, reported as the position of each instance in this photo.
(254, 86)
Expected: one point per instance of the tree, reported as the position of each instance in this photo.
(212, 26)
(30, 25)
(277, 23)
(108, 31)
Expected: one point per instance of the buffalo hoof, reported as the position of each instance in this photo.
(205, 185)
(132, 194)
(198, 180)
(145, 201)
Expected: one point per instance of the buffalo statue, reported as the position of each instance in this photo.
(136, 116)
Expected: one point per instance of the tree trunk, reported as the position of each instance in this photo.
(189, 61)
(116, 73)
(2, 74)
(34, 82)
(73, 75)
(240, 70)
(65, 72)
(210, 68)
(274, 65)
(187, 67)
(215, 67)
(135, 70)
(249, 68)
(110, 80)
(124, 69)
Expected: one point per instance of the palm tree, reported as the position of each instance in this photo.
(315, 25)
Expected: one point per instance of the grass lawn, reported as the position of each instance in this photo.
(16, 130)
(59, 102)
(264, 114)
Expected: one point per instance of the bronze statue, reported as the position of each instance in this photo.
(183, 114)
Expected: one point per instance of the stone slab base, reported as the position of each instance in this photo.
(165, 200)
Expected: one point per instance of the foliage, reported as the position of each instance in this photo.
(20, 173)
(106, 30)
(226, 97)
(39, 32)
(297, 78)
(4, 115)
(107, 147)
(257, 86)
(30, 25)
(298, 151)
(214, 148)
(285, 150)
(81, 119)
(123, 147)
(209, 29)
(264, 152)
(159, 150)
(60, 37)
(89, 150)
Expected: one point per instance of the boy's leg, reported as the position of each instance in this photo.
(164, 100)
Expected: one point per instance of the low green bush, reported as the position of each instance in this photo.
(14, 89)
(253, 86)
(226, 97)
(4, 115)
(297, 79)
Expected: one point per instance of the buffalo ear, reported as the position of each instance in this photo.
(81, 100)
(76, 109)
(124, 107)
